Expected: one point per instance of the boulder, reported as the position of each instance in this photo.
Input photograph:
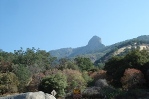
(30, 95)
(35, 95)
(93, 93)
(101, 83)
(48, 96)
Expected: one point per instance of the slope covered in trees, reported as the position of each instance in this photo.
(33, 69)
(95, 50)
(122, 48)
(117, 65)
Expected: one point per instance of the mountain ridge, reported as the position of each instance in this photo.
(97, 51)
(121, 48)
(93, 44)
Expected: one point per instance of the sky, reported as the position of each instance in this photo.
(55, 24)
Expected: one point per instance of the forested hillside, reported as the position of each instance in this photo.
(97, 51)
(28, 70)
(122, 71)
(121, 48)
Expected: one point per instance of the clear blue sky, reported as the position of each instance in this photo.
(54, 24)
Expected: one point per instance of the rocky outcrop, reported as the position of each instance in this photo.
(93, 45)
(30, 95)
(95, 42)
(101, 83)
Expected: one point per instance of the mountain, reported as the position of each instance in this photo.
(99, 53)
(121, 48)
(95, 43)
(93, 46)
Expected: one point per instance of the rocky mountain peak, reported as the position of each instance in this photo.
(93, 45)
(94, 41)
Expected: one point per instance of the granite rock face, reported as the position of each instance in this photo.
(94, 44)
(95, 41)
(30, 95)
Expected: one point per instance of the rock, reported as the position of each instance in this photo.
(93, 45)
(35, 95)
(101, 83)
(30, 95)
(95, 42)
(48, 96)
(93, 93)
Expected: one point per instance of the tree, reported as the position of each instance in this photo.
(6, 61)
(65, 63)
(33, 57)
(56, 82)
(116, 66)
(5, 66)
(87, 78)
(132, 78)
(137, 58)
(8, 83)
(23, 74)
(34, 83)
(84, 63)
(75, 79)
(44, 59)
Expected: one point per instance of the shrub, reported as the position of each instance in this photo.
(23, 75)
(87, 78)
(8, 83)
(56, 82)
(100, 74)
(74, 79)
(35, 81)
(132, 78)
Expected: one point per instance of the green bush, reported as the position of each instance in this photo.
(8, 83)
(57, 82)
(23, 74)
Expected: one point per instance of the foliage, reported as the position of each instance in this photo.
(133, 94)
(5, 56)
(84, 63)
(96, 75)
(5, 66)
(87, 78)
(23, 74)
(116, 66)
(100, 74)
(56, 82)
(32, 57)
(108, 51)
(137, 58)
(110, 92)
(65, 63)
(6, 61)
(34, 82)
(145, 71)
(132, 78)
(100, 65)
(74, 79)
(8, 83)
